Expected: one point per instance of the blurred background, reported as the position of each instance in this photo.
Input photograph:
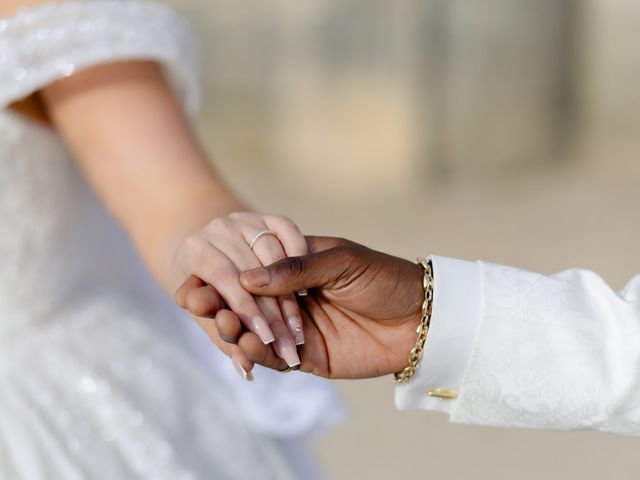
(506, 130)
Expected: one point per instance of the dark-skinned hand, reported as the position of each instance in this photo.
(359, 316)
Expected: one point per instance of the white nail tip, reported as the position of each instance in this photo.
(248, 376)
(261, 327)
(293, 364)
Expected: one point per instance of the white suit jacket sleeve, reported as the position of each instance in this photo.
(527, 350)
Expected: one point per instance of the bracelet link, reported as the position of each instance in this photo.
(422, 330)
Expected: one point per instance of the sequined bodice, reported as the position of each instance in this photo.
(54, 235)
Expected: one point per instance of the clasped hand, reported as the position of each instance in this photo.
(358, 318)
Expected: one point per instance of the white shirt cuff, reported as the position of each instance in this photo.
(457, 303)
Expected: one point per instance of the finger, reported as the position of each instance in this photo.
(318, 244)
(321, 269)
(216, 269)
(238, 251)
(269, 250)
(290, 236)
(229, 326)
(204, 301)
(291, 312)
(292, 240)
(182, 291)
(256, 352)
(241, 363)
(284, 345)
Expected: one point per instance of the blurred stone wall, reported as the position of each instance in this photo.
(609, 80)
(503, 74)
(372, 96)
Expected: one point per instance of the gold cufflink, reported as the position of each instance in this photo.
(442, 393)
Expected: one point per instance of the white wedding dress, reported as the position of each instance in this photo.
(97, 375)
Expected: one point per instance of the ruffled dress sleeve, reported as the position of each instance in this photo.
(41, 45)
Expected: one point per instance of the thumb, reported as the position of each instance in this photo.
(298, 273)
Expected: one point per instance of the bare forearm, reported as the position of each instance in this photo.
(132, 142)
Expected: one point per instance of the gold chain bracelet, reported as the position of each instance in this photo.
(423, 327)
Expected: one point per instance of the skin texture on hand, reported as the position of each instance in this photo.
(217, 254)
(359, 316)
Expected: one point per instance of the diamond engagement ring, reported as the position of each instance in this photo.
(259, 235)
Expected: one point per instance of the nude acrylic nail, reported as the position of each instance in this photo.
(248, 376)
(295, 327)
(261, 328)
(286, 349)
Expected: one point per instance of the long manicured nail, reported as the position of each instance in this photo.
(286, 350)
(261, 328)
(258, 277)
(248, 376)
(295, 327)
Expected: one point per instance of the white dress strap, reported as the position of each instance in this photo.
(41, 45)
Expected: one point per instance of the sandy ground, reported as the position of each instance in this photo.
(548, 219)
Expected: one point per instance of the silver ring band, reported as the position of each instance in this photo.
(259, 235)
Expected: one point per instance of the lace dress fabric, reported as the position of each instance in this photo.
(96, 380)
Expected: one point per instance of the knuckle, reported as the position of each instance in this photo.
(341, 242)
(280, 218)
(191, 253)
(343, 250)
(223, 274)
(237, 216)
(294, 266)
(192, 244)
(215, 226)
(286, 222)
(345, 254)
(220, 226)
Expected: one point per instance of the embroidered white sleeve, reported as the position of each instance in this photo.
(555, 352)
(44, 44)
